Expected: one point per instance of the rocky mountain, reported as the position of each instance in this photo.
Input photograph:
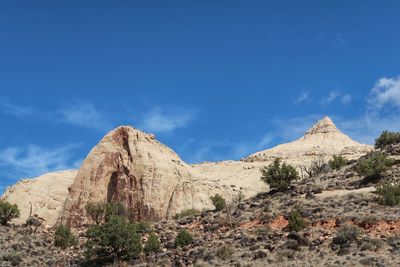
(131, 167)
(322, 141)
(153, 182)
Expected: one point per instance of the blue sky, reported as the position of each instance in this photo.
(214, 80)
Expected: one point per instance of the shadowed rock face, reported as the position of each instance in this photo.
(131, 167)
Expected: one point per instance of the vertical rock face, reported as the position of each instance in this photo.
(131, 167)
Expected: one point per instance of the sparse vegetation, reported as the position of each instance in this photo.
(152, 245)
(183, 238)
(389, 194)
(116, 238)
(14, 258)
(219, 202)
(346, 234)
(263, 230)
(8, 212)
(337, 162)
(387, 138)
(371, 244)
(373, 166)
(279, 176)
(64, 238)
(186, 213)
(96, 211)
(296, 222)
(225, 252)
(316, 167)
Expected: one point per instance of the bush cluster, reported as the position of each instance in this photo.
(337, 162)
(279, 176)
(104, 211)
(152, 244)
(8, 212)
(116, 238)
(183, 238)
(389, 194)
(373, 165)
(64, 238)
(296, 222)
(219, 202)
(387, 138)
(346, 234)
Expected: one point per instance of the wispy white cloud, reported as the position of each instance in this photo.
(85, 115)
(385, 92)
(336, 95)
(161, 120)
(338, 41)
(17, 111)
(33, 160)
(303, 97)
(345, 99)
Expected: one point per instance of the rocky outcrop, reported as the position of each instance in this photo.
(131, 167)
(47, 194)
(322, 141)
(152, 181)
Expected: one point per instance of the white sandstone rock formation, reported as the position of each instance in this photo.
(131, 167)
(47, 194)
(320, 142)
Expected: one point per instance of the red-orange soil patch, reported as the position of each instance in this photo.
(279, 223)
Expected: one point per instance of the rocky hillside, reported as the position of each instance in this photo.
(153, 182)
(345, 226)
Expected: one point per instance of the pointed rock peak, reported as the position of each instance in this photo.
(325, 125)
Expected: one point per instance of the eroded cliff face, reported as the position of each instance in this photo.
(131, 167)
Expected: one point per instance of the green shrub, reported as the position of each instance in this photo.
(152, 244)
(114, 209)
(373, 166)
(337, 162)
(296, 222)
(8, 212)
(346, 234)
(116, 238)
(183, 238)
(279, 176)
(141, 227)
(64, 238)
(186, 213)
(218, 202)
(387, 138)
(96, 211)
(371, 244)
(225, 252)
(389, 194)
